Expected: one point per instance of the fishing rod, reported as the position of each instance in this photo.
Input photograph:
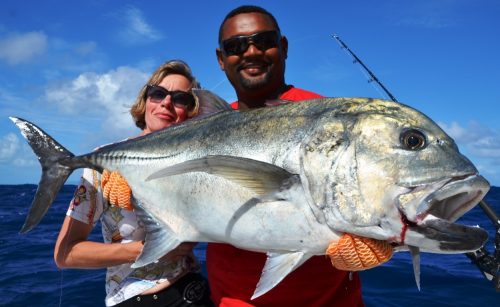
(373, 78)
(488, 264)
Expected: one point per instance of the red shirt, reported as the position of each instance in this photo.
(233, 273)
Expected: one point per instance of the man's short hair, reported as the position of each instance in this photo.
(247, 9)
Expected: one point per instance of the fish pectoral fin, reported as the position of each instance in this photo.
(260, 177)
(159, 241)
(277, 267)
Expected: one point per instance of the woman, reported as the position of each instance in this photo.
(174, 280)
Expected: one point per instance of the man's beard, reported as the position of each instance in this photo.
(256, 82)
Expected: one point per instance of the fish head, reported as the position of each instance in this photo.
(393, 175)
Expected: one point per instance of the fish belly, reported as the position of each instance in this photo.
(200, 207)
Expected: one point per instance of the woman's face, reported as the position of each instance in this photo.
(161, 114)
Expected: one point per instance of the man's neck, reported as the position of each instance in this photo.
(259, 101)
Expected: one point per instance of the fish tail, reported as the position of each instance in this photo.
(50, 154)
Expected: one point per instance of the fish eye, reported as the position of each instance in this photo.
(413, 139)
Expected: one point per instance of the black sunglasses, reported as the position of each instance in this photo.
(239, 44)
(180, 99)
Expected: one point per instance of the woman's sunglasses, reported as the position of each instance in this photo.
(239, 44)
(180, 99)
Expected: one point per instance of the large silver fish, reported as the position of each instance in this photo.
(287, 180)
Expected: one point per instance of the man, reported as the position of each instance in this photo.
(252, 53)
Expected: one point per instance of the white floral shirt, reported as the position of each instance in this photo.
(121, 226)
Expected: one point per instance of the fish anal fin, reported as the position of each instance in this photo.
(159, 241)
(277, 267)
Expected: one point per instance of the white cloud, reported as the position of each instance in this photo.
(137, 29)
(108, 95)
(480, 144)
(9, 145)
(477, 139)
(24, 162)
(13, 152)
(22, 48)
(85, 48)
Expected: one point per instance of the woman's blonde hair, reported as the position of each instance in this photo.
(177, 67)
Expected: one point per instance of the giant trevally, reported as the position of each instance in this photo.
(286, 180)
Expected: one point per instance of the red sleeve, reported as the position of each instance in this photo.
(291, 94)
(296, 94)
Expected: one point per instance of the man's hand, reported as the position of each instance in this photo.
(355, 253)
(116, 190)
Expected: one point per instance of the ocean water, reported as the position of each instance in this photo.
(29, 276)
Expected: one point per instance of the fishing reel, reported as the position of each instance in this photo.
(489, 264)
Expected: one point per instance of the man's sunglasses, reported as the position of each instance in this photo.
(239, 44)
(180, 99)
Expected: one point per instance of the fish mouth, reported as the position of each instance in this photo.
(428, 218)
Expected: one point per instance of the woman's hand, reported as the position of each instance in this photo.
(73, 250)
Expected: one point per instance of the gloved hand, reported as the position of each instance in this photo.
(116, 190)
(354, 253)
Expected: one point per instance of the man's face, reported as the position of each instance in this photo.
(254, 69)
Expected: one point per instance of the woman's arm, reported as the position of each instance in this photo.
(73, 250)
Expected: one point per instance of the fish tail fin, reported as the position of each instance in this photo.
(54, 174)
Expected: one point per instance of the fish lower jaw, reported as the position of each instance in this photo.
(437, 235)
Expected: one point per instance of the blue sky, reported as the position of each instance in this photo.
(74, 67)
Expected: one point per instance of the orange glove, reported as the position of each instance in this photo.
(353, 253)
(116, 190)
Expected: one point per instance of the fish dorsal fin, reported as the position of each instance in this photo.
(260, 177)
(209, 103)
(159, 241)
(277, 267)
(276, 102)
